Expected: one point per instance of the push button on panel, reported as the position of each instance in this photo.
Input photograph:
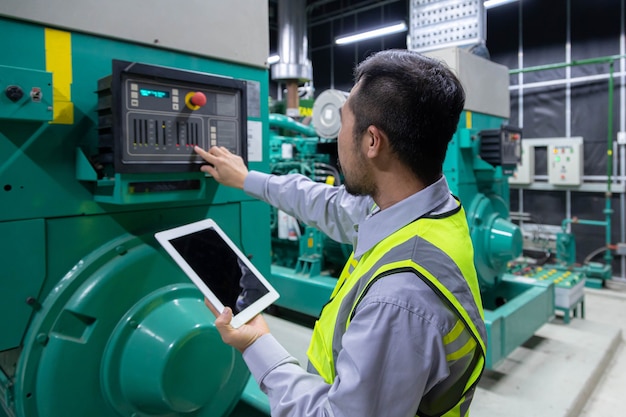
(195, 100)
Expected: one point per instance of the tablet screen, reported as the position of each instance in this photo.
(219, 267)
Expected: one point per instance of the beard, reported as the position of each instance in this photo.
(358, 189)
(358, 180)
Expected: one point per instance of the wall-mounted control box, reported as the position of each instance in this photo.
(565, 163)
(524, 173)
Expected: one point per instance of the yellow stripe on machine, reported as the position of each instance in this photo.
(59, 63)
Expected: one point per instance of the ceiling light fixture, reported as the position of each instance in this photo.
(272, 59)
(374, 33)
(495, 3)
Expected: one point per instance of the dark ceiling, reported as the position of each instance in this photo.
(341, 17)
(328, 19)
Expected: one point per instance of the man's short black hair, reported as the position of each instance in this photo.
(415, 100)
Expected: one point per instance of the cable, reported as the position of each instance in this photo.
(595, 253)
(332, 170)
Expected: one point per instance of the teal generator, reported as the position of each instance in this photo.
(101, 104)
(482, 155)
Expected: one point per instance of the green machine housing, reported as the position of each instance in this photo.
(482, 155)
(97, 125)
(480, 158)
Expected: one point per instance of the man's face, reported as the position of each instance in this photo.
(351, 152)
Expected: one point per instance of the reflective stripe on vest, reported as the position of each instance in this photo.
(439, 251)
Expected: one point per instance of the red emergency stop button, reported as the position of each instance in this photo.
(195, 100)
(198, 99)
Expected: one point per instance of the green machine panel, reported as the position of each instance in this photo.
(26, 95)
(22, 278)
(102, 321)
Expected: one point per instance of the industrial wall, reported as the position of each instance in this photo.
(571, 84)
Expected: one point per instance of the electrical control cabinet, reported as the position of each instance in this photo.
(501, 147)
(525, 171)
(565, 163)
(151, 117)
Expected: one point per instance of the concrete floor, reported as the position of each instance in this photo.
(564, 370)
(609, 307)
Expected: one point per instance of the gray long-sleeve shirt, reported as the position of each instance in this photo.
(392, 353)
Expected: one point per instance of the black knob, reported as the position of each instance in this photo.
(14, 93)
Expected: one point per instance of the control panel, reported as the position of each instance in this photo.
(151, 117)
(565, 163)
(501, 147)
(25, 94)
(525, 171)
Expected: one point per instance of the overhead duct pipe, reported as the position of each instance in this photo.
(294, 66)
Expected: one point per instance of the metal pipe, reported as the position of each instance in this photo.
(565, 222)
(292, 37)
(599, 60)
(286, 122)
(520, 96)
(608, 210)
(294, 66)
(571, 81)
(568, 76)
(609, 168)
(622, 124)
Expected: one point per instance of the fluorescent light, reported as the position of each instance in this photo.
(495, 3)
(272, 59)
(387, 30)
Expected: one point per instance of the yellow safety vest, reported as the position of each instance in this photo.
(447, 239)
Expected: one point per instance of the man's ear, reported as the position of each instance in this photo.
(376, 141)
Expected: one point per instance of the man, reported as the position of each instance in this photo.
(403, 333)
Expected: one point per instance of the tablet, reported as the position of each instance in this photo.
(219, 269)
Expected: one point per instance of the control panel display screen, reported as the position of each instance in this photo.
(145, 92)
